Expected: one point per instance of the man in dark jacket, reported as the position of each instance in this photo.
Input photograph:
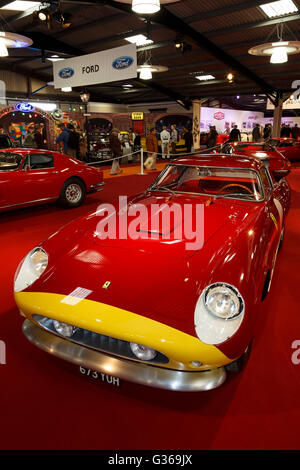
(296, 132)
(116, 151)
(235, 135)
(256, 133)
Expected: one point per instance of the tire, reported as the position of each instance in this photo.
(72, 193)
(240, 363)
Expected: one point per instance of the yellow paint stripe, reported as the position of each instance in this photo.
(181, 348)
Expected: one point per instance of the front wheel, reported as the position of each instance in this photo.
(72, 193)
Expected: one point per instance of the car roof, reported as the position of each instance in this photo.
(221, 160)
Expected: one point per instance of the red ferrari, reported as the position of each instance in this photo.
(29, 177)
(154, 307)
(290, 148)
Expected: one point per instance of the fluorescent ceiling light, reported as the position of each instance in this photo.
(20, 5)
(139, 40)
(205, 77)
(279, 8)
(54, 58)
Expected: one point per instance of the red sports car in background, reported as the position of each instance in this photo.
(263, 151)
(191, 317)
(290, 148)
(29, 177)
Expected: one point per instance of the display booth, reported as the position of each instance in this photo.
(15, 120)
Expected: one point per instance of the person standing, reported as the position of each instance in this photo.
(188, 139)
(267, 131)
(235, 135)
(152, 149)
(165, 142)
(29, 141)
(256, 133)
(212, 137)
(38, 137)
(174, 138)
(116, 151)
(296, 132)
(73, 141)
(62, 139)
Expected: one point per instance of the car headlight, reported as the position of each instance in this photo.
(219, 313)
(222, 301)
(144, 353)
(30, 269)
(63, 329)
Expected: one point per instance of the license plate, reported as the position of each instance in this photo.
(94, 374)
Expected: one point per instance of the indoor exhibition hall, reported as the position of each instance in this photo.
(149, 228)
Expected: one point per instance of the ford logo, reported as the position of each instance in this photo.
(24, 107)
(122, 62)
(67, 72)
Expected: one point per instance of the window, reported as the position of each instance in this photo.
(235, 183)
(9, 161)
(5, 142)
(40, 161)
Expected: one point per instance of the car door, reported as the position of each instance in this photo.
(10, 165)
(37, 179)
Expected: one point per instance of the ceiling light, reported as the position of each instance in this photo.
(139, 40)
(230, 77)
(279, 55)
(66, 89)
(279, 8)
(20, 6)
(278, 51)
(127, 85)
(54, 58)
(146, 70)
(12, 40)
(145, 6)
(205, 77)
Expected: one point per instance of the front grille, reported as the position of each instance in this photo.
(99, 342)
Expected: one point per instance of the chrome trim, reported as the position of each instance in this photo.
(96, 187)
(30, 202)
(143, 374)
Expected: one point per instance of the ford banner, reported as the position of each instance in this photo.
(100, 67)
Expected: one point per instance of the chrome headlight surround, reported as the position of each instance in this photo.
(219, 313)
(30, 269)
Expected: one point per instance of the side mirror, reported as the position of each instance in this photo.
(27, 167)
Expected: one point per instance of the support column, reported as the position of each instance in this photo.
(196, 123)
(277, 118)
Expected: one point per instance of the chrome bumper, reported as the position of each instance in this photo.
(125, 369)
(96, 187)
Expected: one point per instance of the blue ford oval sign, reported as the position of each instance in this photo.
(122, 62)
(67, 72)
(24, 107)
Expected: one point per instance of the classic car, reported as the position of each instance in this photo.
(290, 148)
(279, 164)
(29, 177)
(150, 308)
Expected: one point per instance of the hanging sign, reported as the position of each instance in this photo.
(137, 116)
(24, 107)
(288, 104)
(100, 67)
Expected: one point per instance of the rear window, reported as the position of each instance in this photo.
(9, 161)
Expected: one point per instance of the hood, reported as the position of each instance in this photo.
(169, 225)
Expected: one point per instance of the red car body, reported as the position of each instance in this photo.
(260, 150)
(290, 148)
(29, 177)
(147, 291)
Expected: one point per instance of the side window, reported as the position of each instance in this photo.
(39, 161)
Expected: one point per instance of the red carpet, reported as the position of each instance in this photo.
(46, 404)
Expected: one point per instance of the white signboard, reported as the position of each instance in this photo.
(227, 118)
(288, 104)
(100, 67)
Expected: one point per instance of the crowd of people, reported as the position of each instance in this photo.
(68, 141)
